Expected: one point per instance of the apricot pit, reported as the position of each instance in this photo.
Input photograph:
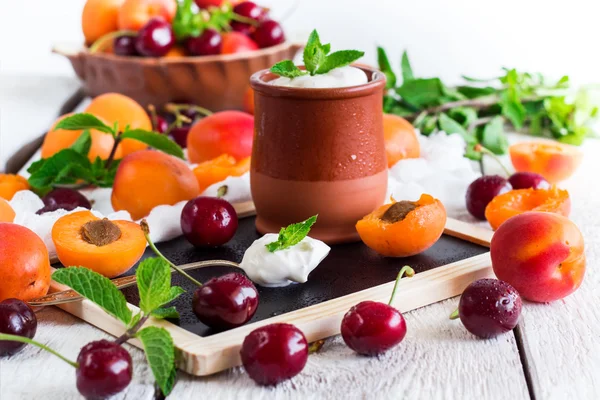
(101, 232)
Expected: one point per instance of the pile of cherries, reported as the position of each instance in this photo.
(156, 38)
(177, 122)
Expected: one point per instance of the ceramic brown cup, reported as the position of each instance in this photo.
(318, 151)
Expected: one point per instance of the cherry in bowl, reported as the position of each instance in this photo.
(208, 43)
(268, 34)
(208, 221)
(155, 39)
(16, 318)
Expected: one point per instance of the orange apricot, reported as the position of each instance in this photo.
(24, 263)
(149, 178)
(134, 14)
(175, 52)
(120, 109)
(11, 184)
(249, 101)
(516, 202)
(7, 214)
(218, 169)
(403, 228)
(57, 140)
(400, 139)
(99, 17)
(109, 248)
(553, 160)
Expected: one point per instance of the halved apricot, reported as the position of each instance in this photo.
(403, 228)
(554, 161)
(110, 248)
(11, 184)
(516, 202)
(218, 169)
(7, 214)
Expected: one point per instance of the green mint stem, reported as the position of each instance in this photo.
(14, 338)
(113, 151)
(146, 230)
(489, 153)
(104, 40)
(409, 272)
(130, 333)
(454, 314)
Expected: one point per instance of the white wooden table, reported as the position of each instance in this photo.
(553, 354)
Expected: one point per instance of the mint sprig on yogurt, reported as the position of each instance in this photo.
(317, 59)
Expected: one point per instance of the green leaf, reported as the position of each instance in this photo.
(472, 92)
(83, 121)
(339, 59)
(83, 143)
(154, 284)
(292, 235)
(471, 79)
(156, 140)
(288, 69)
(422, 92)
(407, 72)
(428, 124)
(450, 126)
(513, 109)
(463, 115)
(63, 167)
(314, 53)
(96, 288)
(163, 313)
(386, 68)
(473, 154)
(493, 136)
(160, 353)
(186, 22)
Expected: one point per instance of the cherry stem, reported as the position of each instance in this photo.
(409, 272)
(454, 314)
(14, 338)
(174, 108)
(488, 152)
(146, 230)
(315, 346)
(153, 116)
(100, 44)
(130, 333)
(245, 20)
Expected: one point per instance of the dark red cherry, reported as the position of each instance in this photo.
(226, 302)
(180, 135)
(208, 43)
(274, 353)
(125, 46)
(161, 124)
(155, 39)
(105, 369)
(371, 327)
(526, 180)
(208, 221)
(489, 307)
(16, 318)
(482, 190)
(250, 10)
(64, 198)
(241, 27)
(268, 34)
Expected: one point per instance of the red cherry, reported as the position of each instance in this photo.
(268, 34)
(63, 198)
(208, 43)
(180, 134)
(274, 353)
(235, 42)
(16, 318)
(105, 369)
(526, 180)
(226, 302)
(250, 10)
(482, 190)
(208, 221)
(124, 46)
(155, 39)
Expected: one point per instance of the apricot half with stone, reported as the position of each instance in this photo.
(110, 248)
(403, 228)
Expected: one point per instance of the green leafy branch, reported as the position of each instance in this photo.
(479, 109)
(292, 235)
(72, 166)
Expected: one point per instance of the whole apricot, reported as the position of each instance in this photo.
(57, 140)
(400, 139)
(120, 109)
(134, 14)
(24, 263)
(109, 248)
(249, 101)
(99, 17)
(7, 214)
(225, 132)
(540, 254)
(11, 184)
(553, 160)
(148, 178)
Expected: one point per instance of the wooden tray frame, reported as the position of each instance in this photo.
(203, 356)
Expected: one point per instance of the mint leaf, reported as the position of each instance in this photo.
(287, 69)
(450, 126)
(154, 284)
(160, 353)
(339, 59)
(292, 235)
(472, 92)
(82, 121)
(66, 166)
(186, 22)
(156, 140)
(493, 137)
(314, 53)
(83, 143)
(422, 92)
(407, 72)
(162, 313)
(386, 68)
(513, 109)
(96, 288)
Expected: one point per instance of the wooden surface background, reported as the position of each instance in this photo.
(553, 354)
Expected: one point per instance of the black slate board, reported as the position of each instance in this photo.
(349, 268)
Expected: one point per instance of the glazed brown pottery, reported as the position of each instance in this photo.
(318, 151)
(215, 82)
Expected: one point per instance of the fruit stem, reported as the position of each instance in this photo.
(172, 107)
(146, 230)
(100, 43)
(113, 151)
(314, 347)
(454, 314)
(153, 116)
(129, 333)
(245, 20)
(409, 272)
(14, 338)
(489, 153)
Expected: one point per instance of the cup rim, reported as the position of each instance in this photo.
(375, 84)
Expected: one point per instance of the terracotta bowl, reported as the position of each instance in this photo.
(215, 82)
